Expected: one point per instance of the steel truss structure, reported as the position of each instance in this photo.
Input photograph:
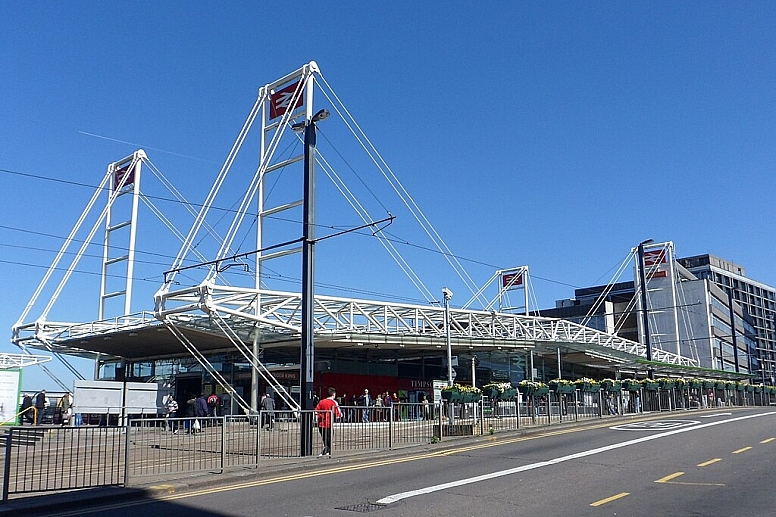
(9, 361)
(344, 319)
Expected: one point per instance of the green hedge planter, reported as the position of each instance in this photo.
(508, 394)
(544, 390)
(562, 388)
(631, 386)
(612, 387)
(452, 396)
(588, 387)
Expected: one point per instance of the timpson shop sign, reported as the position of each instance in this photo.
(415, 384)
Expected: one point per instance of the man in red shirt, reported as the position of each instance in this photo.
(325, 409)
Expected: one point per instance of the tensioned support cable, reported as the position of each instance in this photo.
(202, 360)
(237, 256)
(254, 361)
(401, 191)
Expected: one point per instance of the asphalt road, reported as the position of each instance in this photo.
(699, 463)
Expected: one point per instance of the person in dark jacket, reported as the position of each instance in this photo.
(268, 411)
(191, 412)
(202, 409)
(26, 412)
(40, 405)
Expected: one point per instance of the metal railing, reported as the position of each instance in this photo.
(47, 458)
(39, 459)
(280, 433)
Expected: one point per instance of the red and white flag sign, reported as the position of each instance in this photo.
(280, 100)
(655, 257)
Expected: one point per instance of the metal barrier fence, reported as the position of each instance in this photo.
(62, 458)
(175, 445)
(359, 428)
(39, 459)
(279, 435)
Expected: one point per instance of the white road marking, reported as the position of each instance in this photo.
(654, 425)
(532, 466)
(714, 414)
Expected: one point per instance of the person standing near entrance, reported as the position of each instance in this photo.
(40, 406)
(365, 400)
(213, 402)
(26, 410)
(65, 406)
(172, 412)
(327, 410)
(268, 407)
(202, 410)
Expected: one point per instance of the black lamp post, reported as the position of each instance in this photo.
(307, 352)
(644, 312)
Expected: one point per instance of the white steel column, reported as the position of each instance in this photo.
(117, 184)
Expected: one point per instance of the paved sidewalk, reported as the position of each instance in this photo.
(155, 487)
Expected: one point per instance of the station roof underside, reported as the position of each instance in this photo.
(155, 341)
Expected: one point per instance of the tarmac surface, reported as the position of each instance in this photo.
(44, 503)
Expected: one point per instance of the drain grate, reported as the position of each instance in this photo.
(362, 507)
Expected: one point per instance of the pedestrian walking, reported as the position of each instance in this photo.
(425, 406)
(201, 410)
(378, 405)
(213, 403)
(365, 400)
(352, 411)
(65, 406)
(40, 406)
(268, 408)
(26, 412)
(327, 410)
(191, 413)
(172, 411)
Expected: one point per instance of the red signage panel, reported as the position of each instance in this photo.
(118, 175)
(654, 257)
(280, 100)
(511, 279)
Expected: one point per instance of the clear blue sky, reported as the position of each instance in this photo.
(553, 135)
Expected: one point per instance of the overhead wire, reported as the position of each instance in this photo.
(399, 189)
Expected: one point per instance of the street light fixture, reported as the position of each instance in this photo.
(307, 348)
(448, 295)
(644, 313)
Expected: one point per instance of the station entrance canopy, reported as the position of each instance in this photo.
(213, 318)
